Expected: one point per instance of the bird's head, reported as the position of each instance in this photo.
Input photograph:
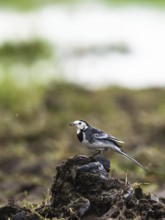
(79, 124)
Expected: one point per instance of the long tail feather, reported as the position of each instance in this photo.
(132, 159)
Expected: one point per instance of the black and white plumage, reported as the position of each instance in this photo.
(96, 139)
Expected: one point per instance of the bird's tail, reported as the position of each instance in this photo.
(132, 159)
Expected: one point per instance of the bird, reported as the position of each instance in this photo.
(98, 140)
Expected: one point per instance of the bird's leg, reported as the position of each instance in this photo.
(98, 152)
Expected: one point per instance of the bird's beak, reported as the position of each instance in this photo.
(71, 124)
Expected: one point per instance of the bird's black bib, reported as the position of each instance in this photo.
(80, 136)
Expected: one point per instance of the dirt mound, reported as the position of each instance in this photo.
(82, 189)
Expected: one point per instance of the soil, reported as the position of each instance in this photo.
(82, 189)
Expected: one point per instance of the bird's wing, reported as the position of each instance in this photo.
(98, 134)
(115, 139)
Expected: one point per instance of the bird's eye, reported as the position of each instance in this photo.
(79, 123)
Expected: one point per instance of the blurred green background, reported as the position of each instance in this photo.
(36, 107)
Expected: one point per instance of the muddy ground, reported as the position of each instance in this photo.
(82, 188)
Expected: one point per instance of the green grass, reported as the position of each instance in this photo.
(24, 51)
(156, 3)
(30, 4)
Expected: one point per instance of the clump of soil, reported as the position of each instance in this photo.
(82, 189)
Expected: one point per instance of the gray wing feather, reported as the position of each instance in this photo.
(98, 134)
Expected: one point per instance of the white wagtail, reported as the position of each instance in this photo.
(98, 140)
